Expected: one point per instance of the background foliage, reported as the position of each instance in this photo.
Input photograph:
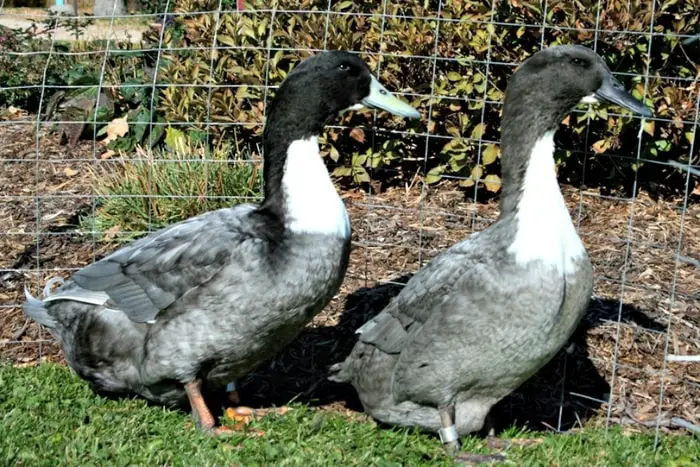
(463, 111)
(221, 93)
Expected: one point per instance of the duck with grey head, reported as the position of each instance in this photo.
(204, 301)
(486, 314)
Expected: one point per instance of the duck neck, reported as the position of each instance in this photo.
(298, 190)
(531, 195)
(527, 142)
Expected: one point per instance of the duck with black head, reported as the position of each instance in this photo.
(486, 314)
(205, 301)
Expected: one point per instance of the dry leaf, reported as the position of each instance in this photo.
(69, 172)
(13, 112)
(112, 232)
(358, 134)
(242, 415)
(107, 154)
(601, 146)
(116, 129)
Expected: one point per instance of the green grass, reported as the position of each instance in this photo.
(50, 417)
(204, 180)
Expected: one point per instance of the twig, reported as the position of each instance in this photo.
(20, 331)
(662, 420)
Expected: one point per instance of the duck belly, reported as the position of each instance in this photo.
(242, 318)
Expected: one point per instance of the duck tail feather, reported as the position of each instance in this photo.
(35, 309)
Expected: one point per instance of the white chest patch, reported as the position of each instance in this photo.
(545, 231)
(312, 202)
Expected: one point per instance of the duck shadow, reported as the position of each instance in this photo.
(563, 394)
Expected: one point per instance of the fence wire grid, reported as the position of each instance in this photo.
(634, 360)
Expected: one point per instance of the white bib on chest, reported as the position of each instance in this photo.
(312, 203)
(544, 228)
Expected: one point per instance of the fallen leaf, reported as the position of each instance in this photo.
(358, 135)
(116, 129)
(69, 172)
(13, 111)
(352, 195)
(112, 232)
(239, 414)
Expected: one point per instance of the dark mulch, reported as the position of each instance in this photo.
(647, 288)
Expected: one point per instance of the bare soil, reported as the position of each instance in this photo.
(125, 29)
(646, 305)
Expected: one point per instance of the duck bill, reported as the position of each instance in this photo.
(613, 92)
(380, 98)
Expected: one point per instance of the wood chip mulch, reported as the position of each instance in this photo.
(646, 255)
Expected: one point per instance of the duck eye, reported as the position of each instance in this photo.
(578, 62)
(344, 67)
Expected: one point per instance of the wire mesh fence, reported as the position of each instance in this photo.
(195, 77)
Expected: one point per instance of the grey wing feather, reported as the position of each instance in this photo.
(149, 275)
(393, 328)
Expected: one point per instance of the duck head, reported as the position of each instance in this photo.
(568, 75)
(329, 83)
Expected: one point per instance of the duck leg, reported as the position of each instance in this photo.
(491, 436)
(200, 412)
(450, 437)
(448, 432)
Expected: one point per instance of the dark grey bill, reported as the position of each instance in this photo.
(614, 92)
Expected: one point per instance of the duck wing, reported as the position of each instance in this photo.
(452, 317)
(390, 331)
(149, 275)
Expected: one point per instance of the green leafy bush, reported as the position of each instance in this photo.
(462, 110)
(26, 71)
(222, 92)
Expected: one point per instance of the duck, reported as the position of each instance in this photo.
(196, 306)
(485, 314)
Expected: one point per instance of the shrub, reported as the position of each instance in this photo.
(469, 80)
(161, 186)
(26, 72)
